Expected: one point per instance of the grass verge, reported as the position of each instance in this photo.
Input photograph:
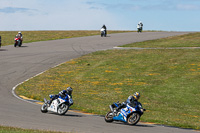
(6, 129)
(168, 81)
(187, 40)
(7, 37)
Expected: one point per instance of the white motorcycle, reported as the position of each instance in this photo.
(103, 32)
(139, 27)
(59, 105)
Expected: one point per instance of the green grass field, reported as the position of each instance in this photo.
(188, 40)
(168, 80)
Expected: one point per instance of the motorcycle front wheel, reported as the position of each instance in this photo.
(133, 119)
(109, 117)
(62, 109)
(20, 44)
(44, 108)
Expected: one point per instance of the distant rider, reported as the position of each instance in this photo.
(62, 93)
(20, 34)
(131, 101)
(104, 27)
(140, 26)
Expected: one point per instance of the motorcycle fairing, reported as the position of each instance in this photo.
(119, 118)
(56, 102)
(54, 105)
(124, 113)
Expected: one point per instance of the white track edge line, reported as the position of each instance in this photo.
(13, 89)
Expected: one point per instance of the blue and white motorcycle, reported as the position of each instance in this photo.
(59, 105)
(130, 115)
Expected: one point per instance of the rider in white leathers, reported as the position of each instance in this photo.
(140, 26)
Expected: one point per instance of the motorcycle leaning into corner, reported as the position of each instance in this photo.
(18, 41)
(129, 114)
(59, 105)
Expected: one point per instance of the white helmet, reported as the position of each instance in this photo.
(19, 32)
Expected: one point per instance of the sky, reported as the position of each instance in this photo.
(164, 15)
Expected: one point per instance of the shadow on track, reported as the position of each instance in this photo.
(24, 46)
(3, 50)
(137, 125)
(73, 115)
(143, 125)
(68, 115)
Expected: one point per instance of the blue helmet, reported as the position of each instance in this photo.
(69, 90)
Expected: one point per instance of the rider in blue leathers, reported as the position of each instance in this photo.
(62, 93)
(132, 101)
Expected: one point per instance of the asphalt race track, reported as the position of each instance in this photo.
(19, 64)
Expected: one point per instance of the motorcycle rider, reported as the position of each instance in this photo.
(104, 27)
(62, 93)
(132, 101)
(140, 26)
(20, 34)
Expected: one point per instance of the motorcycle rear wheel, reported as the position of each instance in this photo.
(133, 119)
(109, 117)
(62, 109)
(44, 108)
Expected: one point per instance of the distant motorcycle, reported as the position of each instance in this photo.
(103, 32)
(139, 29)
(130, 115)
(18, 41)
(59, 105)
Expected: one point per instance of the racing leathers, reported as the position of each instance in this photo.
(62, 93)
(130, 101)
